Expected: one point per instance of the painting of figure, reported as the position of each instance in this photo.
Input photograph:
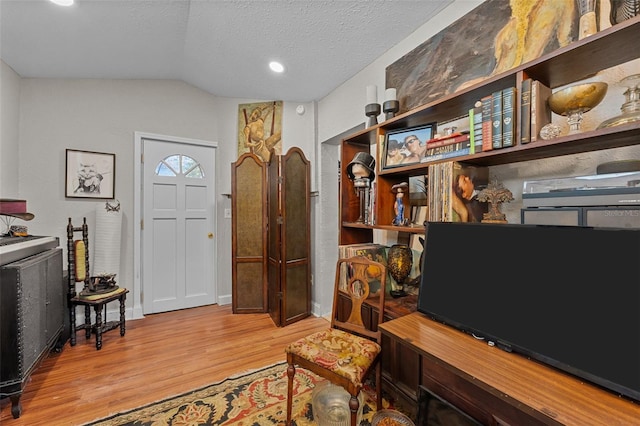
(260, 128)
(495, 37)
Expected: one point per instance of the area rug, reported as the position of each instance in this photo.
(255, 398)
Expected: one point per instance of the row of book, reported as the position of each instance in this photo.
(452, 192)
(449, 146)
(534, 109)
(496, 122)
(500, 118)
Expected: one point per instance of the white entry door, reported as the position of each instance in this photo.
(178, 241)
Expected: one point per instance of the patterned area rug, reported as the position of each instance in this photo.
(255, 398)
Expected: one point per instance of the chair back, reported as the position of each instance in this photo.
(359, 292)
(78, 256)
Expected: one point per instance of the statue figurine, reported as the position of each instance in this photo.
(398, 206)
(496, 194)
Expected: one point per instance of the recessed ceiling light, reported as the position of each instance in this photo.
(63, 2)
(276, 66)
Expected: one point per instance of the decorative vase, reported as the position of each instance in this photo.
(631, 108)
(621, 10)
(399, 263)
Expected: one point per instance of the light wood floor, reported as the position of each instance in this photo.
(160, 355)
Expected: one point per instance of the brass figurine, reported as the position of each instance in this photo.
(495, 194)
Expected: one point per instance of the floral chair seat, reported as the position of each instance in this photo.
(345, 354)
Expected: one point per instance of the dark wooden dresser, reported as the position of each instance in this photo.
(32, 313)
(492, 386)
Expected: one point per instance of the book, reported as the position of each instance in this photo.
(447, 148)
(496, 119)
(444, 155)
(475, 126)
(509, 116)
(525, 111)
(540, 111)
(487, 139)
(446, 140)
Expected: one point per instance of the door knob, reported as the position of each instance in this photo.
(210, 235)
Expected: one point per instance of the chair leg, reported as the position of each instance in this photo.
(354, 405)
(379, 386)
(87, 321)
(122, 316)
(291, 372)
(72, 323)
(98, 309)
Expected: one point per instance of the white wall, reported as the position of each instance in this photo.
(9, 133)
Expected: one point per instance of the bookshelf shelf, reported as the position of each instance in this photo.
(579, 60)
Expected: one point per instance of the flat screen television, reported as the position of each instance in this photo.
(566, 296)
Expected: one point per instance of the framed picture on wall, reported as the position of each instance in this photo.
(90, 174)
(406, 146)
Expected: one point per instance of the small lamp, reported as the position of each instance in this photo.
(361, 170)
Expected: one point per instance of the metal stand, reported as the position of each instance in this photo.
(361, 186)
(372, 111)
(390, 108)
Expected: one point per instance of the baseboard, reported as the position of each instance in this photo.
(224, 300)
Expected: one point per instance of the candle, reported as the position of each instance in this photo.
(390, 95)
(372, 94)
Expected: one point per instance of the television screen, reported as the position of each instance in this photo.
(563, 295)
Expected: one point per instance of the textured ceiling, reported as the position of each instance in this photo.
(220, 46)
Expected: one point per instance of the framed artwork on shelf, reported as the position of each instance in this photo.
(406, 146)
(90, 174)
(420, 216)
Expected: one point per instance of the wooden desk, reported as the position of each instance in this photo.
(496, 387)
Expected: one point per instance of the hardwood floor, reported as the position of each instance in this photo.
(160, 355)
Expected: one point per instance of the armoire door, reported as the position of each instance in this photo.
(249, 229)
(289, 237)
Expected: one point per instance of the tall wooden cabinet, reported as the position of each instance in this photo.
(577, 61)
(271, 243)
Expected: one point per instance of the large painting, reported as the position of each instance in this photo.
(260, 128)
(495, 37)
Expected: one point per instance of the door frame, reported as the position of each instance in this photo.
(138, 311)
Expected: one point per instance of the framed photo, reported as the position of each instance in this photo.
(90, 174)
(406, 146)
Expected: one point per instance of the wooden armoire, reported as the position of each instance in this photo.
(271, 219)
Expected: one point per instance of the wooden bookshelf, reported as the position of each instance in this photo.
(579, 60)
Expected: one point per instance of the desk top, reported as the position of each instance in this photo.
(562, 397)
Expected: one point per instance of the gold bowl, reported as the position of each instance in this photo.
(573, 101)
(579, 98)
